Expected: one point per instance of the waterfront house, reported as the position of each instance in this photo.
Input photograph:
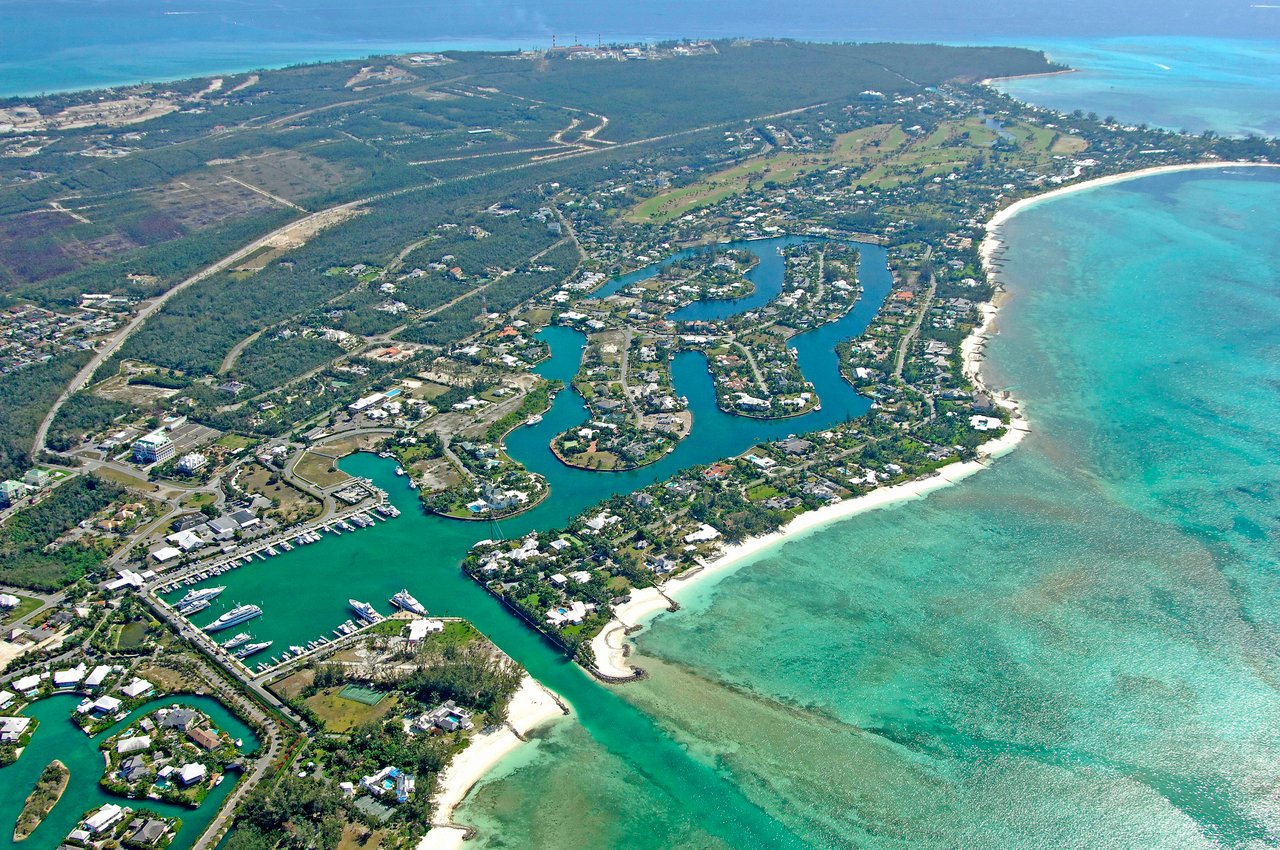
(13, 728)
(136, 744)
(27, 685)
(704, 534)
(181, 719)
(190, 774)
(104, 818)
(136, 688)
(206, 738)
(69, 678)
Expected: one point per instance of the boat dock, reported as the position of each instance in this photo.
(278, 544)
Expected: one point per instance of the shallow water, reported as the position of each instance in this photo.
(1075, 648)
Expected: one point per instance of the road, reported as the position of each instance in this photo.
(113, 343)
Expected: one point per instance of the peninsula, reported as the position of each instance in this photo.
(287, 350)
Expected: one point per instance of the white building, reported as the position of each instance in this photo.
(193, 462)
(136, 744)
(105, 818)
(189, 774)
(98, 676)
(153, 448)
(136, 688)
(12, 728)
(705, 533)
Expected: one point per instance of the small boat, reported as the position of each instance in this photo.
(399, 470)
(534, 420)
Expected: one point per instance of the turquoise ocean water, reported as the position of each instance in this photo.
(1074, 649)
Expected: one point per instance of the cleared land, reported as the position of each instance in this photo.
(879, 157)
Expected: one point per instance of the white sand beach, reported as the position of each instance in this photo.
(532, 706)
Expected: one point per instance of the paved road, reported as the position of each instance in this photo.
(116, 340)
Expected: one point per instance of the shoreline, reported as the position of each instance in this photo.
(532, 706)
(611, 645)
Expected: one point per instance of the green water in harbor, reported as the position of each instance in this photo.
(304, 592)
(58, 738)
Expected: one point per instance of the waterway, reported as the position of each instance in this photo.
(304, 592)
(58, 738)
(1076, 648)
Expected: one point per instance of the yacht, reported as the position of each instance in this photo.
(404, 601)
(234, 617)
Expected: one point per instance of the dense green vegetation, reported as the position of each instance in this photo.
(28, 556)
(25, 397)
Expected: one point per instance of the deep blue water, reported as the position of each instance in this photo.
(49, 45)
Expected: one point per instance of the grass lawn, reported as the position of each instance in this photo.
(125, 479)
(343, 715)
(761, 492)
(196, 501)
(294, 684)
(320, 470)
(234, 441)
(25, 606)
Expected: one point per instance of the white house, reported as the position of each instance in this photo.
(189, 774)
(136, 688)
(704, 534)
(136, 744)
(69, 678)
(104, 818)
(98, 676)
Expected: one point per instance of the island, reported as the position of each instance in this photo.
(512, 326)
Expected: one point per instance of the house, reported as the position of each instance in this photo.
(8, 600)
(704, 534)
(7, 697)
(796, 447)
(69, 678)
(147, 833)
(133, 768)
(419, 629)
(136, 688)
(574, 614)
(136, 744)
(205, 738)
(181, 719)
(189, 774)
(104, 818)
(13, 728)
(105, 705)
(191, 463)
(447, 717)
(98, 676)
(985, 423)
(27, 685)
